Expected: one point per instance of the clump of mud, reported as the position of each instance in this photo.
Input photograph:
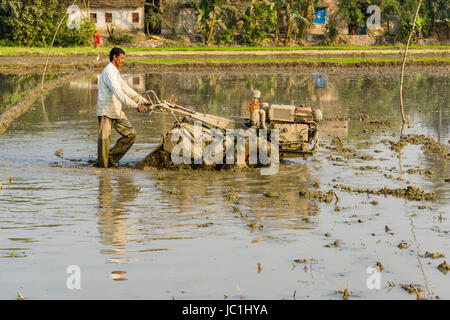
(430, 146)
(367, 119)
(162, 160)
(428, 172)
(269, 194)
(412, 288)
(409, 193)
(231, 195)
(318, 195)
(331, 158)
(364, 168)
(338, 146)
(433, 255)
(444, 267)
(334, 244)
(403, 245)
(380, 266)
(371, 120)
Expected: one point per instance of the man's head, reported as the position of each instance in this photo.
(117, 57)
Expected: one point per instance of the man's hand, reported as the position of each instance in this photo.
(141, 108)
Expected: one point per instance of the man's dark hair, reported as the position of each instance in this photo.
(115, 52)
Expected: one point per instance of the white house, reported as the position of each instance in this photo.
(126, 15)
(135, 81)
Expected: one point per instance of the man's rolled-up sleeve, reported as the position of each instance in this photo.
(116, 88)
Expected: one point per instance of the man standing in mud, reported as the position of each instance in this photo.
(112, 93)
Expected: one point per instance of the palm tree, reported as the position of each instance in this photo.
(298, 12)
(210, 15)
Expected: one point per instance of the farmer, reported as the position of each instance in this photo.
(112, 93)
(96, 39)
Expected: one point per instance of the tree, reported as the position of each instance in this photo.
(299, 15)
(34, 22)
(211, 14)
(260, 19)
(354, 13)
(29, 22)
(307, 10)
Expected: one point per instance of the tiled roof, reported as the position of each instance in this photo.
(116, 3)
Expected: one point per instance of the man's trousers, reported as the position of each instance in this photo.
(110, 157)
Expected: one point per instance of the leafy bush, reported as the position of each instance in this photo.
(29, 23)
(259, 21)
(332, 33)
(33, 23)
(353, 11)
(226, 36)
(76, 37)
(405, 11)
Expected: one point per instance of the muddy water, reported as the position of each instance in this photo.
(162, 235)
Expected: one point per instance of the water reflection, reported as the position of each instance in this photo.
(427, 98)
(14, 87)
(114, 199)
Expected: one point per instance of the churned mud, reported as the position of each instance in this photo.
(429, 146)
(410, 192)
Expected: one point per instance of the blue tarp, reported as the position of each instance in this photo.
(320, 80)
(320, 16)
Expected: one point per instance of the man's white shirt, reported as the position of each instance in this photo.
(113, 91)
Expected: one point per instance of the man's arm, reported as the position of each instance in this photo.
(131, 93)
(116, 88)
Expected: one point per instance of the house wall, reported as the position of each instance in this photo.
(122, 18)
(332, 7)
(181, 17)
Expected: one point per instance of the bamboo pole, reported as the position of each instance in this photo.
(404, 63)
(51, 46)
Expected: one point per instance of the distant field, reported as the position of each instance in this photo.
(87, 51)
(336, 60)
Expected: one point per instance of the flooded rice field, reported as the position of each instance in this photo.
(321, 224)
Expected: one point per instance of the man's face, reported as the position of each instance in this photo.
(119, 60)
